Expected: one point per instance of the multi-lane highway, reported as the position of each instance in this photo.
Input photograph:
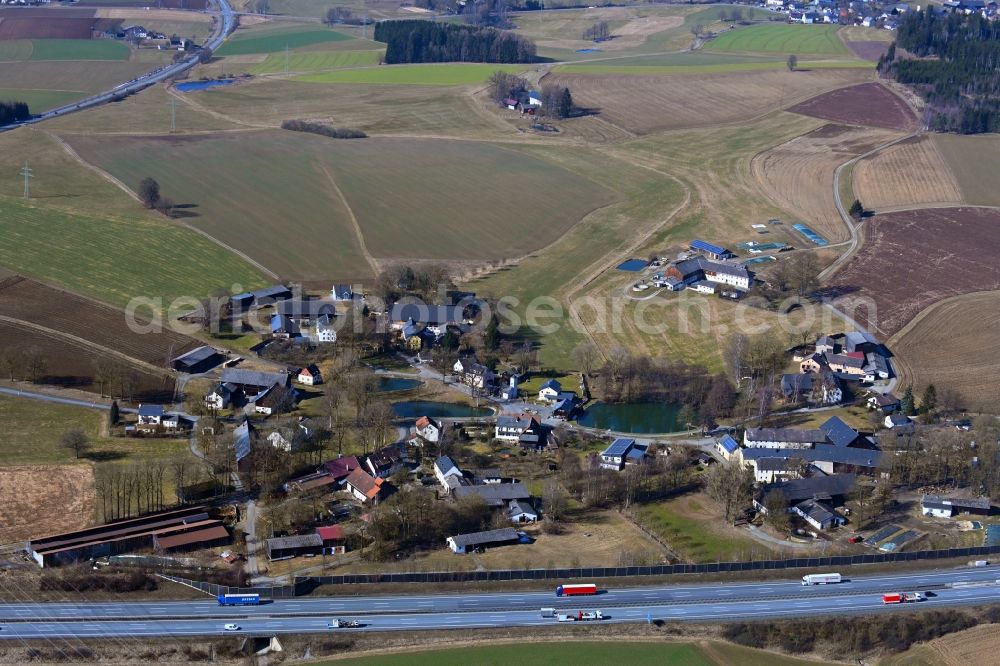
(707, 602)
(223, 27)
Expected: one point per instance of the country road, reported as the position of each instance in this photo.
(223, 28)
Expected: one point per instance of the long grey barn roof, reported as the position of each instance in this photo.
(246, 377)
(798, 490)
(821, 453)
(494, 493)
(492, 536)
(796, 435)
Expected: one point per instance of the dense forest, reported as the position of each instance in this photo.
(12, 112)
(426, 41)
(957, 70)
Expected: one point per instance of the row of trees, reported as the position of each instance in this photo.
(130, 490)
(958, 71)
(13, 111)
(425, 41)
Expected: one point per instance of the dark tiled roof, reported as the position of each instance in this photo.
(492, 536)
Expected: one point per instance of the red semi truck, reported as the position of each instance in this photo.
(576, 590)
(901, 597)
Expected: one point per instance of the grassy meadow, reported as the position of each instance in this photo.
(445, 74)
(783, 38)
(974, 160)
(271, 39)
(315, 61)
(407, 198)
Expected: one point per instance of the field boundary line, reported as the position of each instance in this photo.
(926, 312)
(936, 205)
(86, 343)
(354, 220)
(125, 188)
(210, 112)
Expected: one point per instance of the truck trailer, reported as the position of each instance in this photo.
(901, 597)
(821, 579)
(576, 590)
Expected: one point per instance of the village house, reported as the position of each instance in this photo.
(283, 327)
(832, 491)
(221, 396)
(387, 461)
(524, 429)
(697, 269)
(253, 382)
(324, 331)
(899, 423)
(150, 416)
(334, 539)
(305, 313)
(726, 447)
(768, 464)
(549, 391)
(340, 468)
(520, 511)
(433, 318)
(887, 403)
(445, 467)
(495, 495)
(342, 292)
(817, 514)
(821, 388)
(474, 374)
(365, 487)
(621, 452)
(310, 375)
(428, 429)
(276, 400)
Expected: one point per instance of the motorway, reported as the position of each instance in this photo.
(223, 28)
(703, 602)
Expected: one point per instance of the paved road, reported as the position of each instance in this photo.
(681, 603)
(223, 28)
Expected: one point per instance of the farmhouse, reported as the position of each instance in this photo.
(304, 313)
(622, 451)
(824, 389)
(433, 318)
(887, 403)
(899, 423)
(782, 438)
(150, 415)
(293, 546)
(831, 490)
(252, 382)
(260, 297)
(340, 468)
(946, 507)
(333, 539)
(283, 327)
(827, 458)
(221, 396)
(386, 461)
(464, 543)
(316, 481)
(310, 375)
(697, 269)
(854, 356)
(474, 374)
(365, 487)
(197, 361)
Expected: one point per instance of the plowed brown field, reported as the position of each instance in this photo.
(798, 174)
(644, 104)
(907, 174)
(912, 259)
(66, 493)
(870, 104)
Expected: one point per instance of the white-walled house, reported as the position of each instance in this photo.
(445, 467)
(550, 390)
(428, 429)
(310, 376)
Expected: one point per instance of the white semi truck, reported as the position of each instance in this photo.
(821, 579)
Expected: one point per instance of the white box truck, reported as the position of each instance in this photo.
(821, 579)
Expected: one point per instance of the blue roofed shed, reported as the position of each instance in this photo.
(711, 250)
(727, 446)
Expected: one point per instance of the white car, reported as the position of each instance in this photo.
(231, 627)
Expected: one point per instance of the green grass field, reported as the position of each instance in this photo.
(696, 538)
(116, 259)
(41, 100)
(411, 198)
(607, 653)
(782, 38)
(314, 61)
(274, 40)
(15, 49)
(78, 49)
(32, 429)
(450, 74)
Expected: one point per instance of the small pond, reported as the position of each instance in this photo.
(412, 409)
(640, 418)
(396, 384)
(193, 86)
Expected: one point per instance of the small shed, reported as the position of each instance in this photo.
(464, 543)
(293, 546)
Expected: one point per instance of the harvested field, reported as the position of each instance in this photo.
(447, 74)
(74, 315)
(975, 163)
(67, 497)
(354, 200)
(912, 259)
(905, 175)
(870, 104)
(978, 645)
(781, 38)
(630, 27)
(71, 364)
(33, 23)
(798, 175)
(968, 328)
(645, 104)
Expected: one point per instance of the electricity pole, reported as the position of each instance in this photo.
(26, 172)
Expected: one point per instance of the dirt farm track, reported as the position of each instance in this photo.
(912, 259)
